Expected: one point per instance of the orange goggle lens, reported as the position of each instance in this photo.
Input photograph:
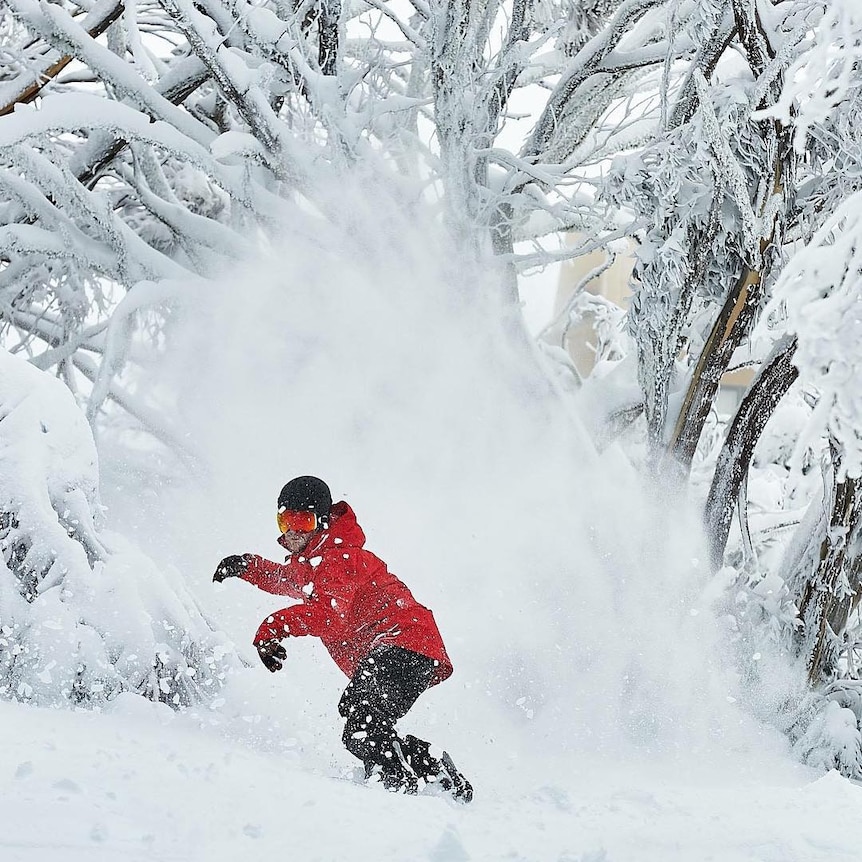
(297, 522)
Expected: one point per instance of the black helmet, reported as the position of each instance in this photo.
(306, 493)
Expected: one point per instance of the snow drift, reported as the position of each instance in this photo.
(83, 614)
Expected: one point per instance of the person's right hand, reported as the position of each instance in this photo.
(231, 567)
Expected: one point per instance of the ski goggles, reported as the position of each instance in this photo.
(297, 522)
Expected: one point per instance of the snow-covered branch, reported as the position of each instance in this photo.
(84, 616)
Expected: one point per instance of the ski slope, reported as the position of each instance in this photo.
(142, 785)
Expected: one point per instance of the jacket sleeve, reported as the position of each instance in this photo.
(282, 579)
(295, 621)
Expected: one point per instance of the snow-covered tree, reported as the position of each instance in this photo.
(145, 142)
(745, 207)
(83, 615)
(813, 311)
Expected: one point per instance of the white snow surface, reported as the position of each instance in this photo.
(141, 785)
(593, 705)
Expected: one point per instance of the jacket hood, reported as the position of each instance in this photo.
(344, 531)
(343, 527)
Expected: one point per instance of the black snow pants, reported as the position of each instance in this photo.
(386, 684)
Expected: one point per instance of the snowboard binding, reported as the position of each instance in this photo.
(412, 760)
(442, 772)
(394, 773)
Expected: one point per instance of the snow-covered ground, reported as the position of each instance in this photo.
(141, 784)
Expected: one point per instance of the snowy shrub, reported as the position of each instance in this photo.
(759, 617)
(831, 740)
(83, 615)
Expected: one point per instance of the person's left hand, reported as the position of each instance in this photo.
(272, 654)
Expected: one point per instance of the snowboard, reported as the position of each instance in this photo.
(459, 787)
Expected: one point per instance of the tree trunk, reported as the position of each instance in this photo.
(327, 22)
(774, 378)
(731, 327)
(833, 589)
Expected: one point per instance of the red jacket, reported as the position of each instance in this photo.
(349, 599)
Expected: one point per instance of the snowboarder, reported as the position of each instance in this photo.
(377, 633)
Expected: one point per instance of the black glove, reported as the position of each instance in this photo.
(231, 567)
(272, 654)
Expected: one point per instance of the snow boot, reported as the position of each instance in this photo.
(394, 772)
(433, 771)
(422, 762)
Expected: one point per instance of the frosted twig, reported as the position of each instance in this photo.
(731, 172)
